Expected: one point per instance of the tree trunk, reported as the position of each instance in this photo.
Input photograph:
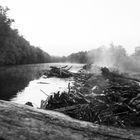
(22, 122)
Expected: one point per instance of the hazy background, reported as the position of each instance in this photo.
(62, 27)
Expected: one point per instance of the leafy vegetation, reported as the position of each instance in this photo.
(14, 48)
(80, 57)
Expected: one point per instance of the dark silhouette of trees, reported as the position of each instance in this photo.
(136, 54)
(14, 48)
(80, 57)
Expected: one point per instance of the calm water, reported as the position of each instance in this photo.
(24, 83)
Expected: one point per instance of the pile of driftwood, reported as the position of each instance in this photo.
(109, 99)
(60, 72)
(64, 99)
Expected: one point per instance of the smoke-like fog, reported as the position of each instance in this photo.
(116, 57)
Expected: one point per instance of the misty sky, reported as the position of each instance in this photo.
(61, 27)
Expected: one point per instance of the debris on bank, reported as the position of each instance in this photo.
(29, 104)
(62, 72)
(109, 98)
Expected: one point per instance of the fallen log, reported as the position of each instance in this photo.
(20, 122)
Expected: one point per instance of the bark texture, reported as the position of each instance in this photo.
(22, 122)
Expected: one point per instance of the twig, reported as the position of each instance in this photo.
(42, 83)
(68, 87)
(44, 92)
(69, 68)
(64, 67)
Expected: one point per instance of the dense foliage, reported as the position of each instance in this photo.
(14, 48)
(80, 57)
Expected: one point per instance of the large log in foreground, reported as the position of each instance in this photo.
(22, 122)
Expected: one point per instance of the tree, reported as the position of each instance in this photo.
(14, 48)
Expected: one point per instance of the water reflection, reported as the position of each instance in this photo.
(40, 89)
(15, 79)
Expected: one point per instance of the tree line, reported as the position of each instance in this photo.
(14, 48)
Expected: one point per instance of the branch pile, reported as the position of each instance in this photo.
(109, 99)
(62, 72)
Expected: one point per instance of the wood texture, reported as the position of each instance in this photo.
(22, 122)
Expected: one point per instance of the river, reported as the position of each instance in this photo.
(24, 83)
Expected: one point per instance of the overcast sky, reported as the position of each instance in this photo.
(61, 27)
